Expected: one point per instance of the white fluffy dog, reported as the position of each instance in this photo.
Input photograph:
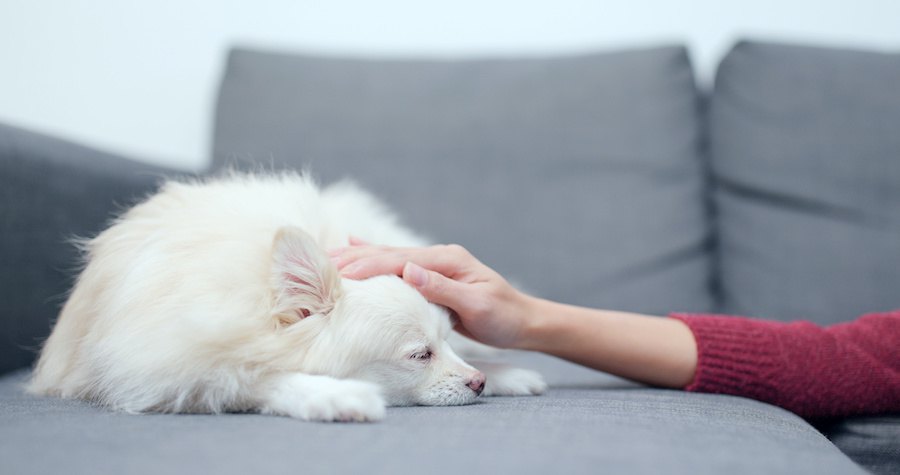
(218, 296)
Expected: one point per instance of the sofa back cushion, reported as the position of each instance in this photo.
(578, 177)
(805, 146)
(51, 191)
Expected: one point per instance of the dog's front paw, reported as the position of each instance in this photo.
(508, 381)
(348, 401)
(319, 398)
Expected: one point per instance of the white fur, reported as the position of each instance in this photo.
(217, 295)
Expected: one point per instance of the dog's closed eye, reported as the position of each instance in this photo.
(422, 356)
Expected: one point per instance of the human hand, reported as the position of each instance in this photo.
(490, 310)
(653, 350)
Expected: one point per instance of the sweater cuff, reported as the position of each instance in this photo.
(736, 356)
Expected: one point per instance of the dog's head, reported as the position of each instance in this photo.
(380, 329)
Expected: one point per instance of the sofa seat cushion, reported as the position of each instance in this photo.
(587, 423)
(805, 148)
(578, 177)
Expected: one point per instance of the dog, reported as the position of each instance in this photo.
(217, 295)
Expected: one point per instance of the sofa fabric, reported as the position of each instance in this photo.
(873, 442)
(578, 177)
(50, 192)
(607, 149)
(587, 423)
(805, 155)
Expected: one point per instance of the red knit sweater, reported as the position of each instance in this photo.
(816, 372)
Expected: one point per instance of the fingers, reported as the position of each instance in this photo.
(370, 266)
(355, 241)
(361, 262)
(436, 288)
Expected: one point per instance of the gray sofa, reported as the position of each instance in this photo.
(609, 180)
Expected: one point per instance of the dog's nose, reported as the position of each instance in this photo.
(477, 382)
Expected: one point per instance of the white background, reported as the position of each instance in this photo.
(140, 78)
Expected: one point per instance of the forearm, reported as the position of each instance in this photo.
(652, 350)
(851, 368)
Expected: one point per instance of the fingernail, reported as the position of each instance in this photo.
(336, 251)
(416, 274)
(349, 270)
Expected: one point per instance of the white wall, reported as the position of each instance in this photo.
(140, 78)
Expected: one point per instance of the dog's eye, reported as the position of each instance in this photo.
(421, 356)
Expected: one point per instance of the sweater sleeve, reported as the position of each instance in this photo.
(816, 372)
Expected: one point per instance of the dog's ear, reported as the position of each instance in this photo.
(305, 280)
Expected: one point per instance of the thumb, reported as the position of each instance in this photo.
(435, 287)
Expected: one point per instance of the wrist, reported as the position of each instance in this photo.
(538, 319)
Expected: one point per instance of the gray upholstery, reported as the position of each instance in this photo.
(606, 149)
(805, 152)
(873, 442)
(579, 177)
(51, 191)
(589, 423)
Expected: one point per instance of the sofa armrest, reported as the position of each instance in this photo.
(51, 191)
